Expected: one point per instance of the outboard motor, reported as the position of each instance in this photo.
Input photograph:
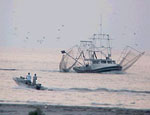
(38, 86)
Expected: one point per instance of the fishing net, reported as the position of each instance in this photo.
(75, 56)
(86, 48)
(69, 59)
(128, 57)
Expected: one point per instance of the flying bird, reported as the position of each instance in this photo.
(58, 38)
(40, 41)
(134, 33)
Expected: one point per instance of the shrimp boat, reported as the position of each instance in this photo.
(95, 56)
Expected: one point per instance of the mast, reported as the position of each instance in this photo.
(101, 42)
(108, 48)
(101, 26)
(103, 37)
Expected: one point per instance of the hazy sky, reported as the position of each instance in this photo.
(63, 23)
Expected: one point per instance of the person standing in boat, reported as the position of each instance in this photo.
(28, 77)
(34, 79)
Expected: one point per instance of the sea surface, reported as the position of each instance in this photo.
(126, 90)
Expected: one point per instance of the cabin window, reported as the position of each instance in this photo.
(103, 61)
(109, 62)
(113, 62)
(95, 62)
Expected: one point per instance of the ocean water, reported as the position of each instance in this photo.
(127, 90)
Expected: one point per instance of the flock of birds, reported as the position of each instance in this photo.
(40, 41)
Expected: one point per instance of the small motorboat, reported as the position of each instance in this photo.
(23, 81)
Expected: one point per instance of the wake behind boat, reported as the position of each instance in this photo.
(23, 81)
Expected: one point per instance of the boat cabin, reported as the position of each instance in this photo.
(103, 61)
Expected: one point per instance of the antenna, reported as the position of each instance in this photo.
(101, 33)
(101, 27)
